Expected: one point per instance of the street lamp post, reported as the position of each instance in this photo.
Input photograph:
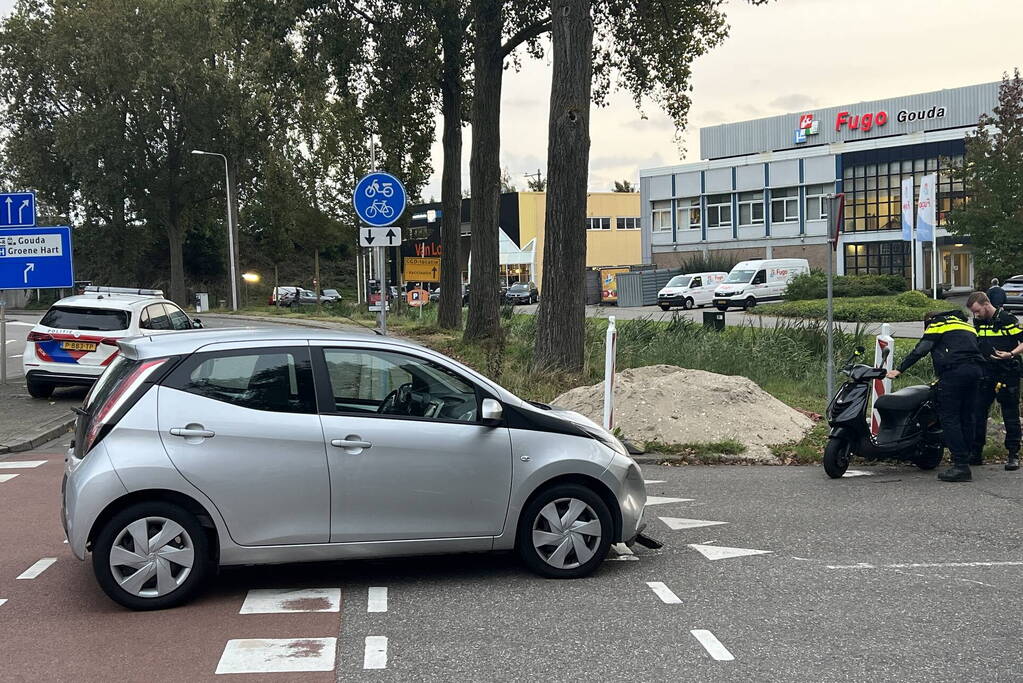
(230, 227)
(250, 278)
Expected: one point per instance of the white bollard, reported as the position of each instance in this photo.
(610, 353)
(881, 386)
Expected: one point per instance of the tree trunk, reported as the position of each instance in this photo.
(485, 172)
(175, 242)
(561, 319)
(449, 316)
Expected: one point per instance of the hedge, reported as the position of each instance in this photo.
(908, 306)
(814, 285)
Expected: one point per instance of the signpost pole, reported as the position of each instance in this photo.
(3, 338)
(835, 207)
(382, 265)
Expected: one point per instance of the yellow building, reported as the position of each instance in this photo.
(613, 236)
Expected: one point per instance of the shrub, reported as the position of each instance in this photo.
(814, 285)
(915, 299)
(869, 309)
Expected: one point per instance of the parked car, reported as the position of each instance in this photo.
(283, 295)
(1013, 293)
(753, 282)
(76, 339)
(331, 295)
(522, 293)
(239, 447)
(435, 295)
(689, 291)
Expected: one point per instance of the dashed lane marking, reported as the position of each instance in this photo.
(712, 645)
(677, 523)
(718, 552)
(2, 601)
(653, 481)
(19, 464)
(925, 565)
(377, 600)
(857, 473)
(277, 655)
(664, 593)
(38, 568)
(659, 500)
(278, 601)
(375, 656)
(6, 477)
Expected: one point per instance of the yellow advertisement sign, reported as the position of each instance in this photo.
(421, 269)
(609, 284)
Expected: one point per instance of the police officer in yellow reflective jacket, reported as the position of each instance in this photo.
(952, 343)
(1001, 343)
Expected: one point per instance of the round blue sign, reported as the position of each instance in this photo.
(379, 199)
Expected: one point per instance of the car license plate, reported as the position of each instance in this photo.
(1013, 293)
(720, 301)
(78, 346)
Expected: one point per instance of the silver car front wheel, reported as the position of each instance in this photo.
(565, 532)
(151, 555)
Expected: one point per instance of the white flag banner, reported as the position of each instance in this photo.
(925, 213)
(907, 209)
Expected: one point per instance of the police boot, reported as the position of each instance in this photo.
(956, 473)
(1013, 462)
(976, 459)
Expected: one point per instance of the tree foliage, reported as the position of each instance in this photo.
(992, 173)
(624, 186)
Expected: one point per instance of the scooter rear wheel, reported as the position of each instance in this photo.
(929, 458)
(836, 457)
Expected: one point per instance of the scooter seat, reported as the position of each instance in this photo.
(904, 399)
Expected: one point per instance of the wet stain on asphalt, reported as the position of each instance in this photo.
(305, 648)
(307, 605)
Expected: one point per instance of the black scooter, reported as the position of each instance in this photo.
(909, 428)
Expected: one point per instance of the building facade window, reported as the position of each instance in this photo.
(598, 223)
(816, 204)
(751, 208)
(627, 223)
(785, 205)
(878, 258)
(688, 213)
(660, 216)
(719, 211)
(872, 182)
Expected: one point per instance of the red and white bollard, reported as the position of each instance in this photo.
(610, 353)
(887, 361)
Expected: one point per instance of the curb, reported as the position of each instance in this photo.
(296, 322)
(48, 433)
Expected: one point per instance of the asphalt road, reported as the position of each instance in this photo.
(889, 576)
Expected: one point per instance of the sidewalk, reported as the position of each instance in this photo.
(27, 422)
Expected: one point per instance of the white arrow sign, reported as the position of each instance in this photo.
(9, 202)
(29, 268)
(21, 210)
(661, 500)
(379, 237)
(676, 523)
(717, 552)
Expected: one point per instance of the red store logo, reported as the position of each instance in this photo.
(862, 122)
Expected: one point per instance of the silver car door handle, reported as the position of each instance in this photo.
(343, 443)
(186, 432)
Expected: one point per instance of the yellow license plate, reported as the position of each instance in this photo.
(78, 346)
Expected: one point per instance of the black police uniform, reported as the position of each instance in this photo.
(952, 343)
(996, 295)
(1001, 379)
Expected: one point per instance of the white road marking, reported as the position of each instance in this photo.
(278, 601)
(376, 653)
(11, 341)
(857, 473)
(658, 500)
(377, 601)
(277, 655)
(19, 464)
(664, 593)
(2, 601)
(653, 481)
(624, 554)
(677, 523)
(15, 355)
(38, 568)
(720, 552)
(925, 565)
(712, 645)
(6, 477)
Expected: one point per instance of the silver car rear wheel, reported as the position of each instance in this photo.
(151, 557)
(566, 533)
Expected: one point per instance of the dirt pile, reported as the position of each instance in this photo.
(677, 406)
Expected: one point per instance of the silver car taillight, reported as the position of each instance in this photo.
(105, 413)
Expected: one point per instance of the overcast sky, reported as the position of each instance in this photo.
(784, 57)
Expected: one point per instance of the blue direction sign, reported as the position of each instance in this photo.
(379, 199)
(33, 258)
(17, 210)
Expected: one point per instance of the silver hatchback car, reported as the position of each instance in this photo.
(226, 447)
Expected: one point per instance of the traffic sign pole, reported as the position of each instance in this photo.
(3, 338)
(382, 261)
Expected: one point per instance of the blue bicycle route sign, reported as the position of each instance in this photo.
(17, 209)
(36, 258)
(379, 199)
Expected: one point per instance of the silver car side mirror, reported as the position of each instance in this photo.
(491, 412)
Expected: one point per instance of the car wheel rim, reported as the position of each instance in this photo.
(566, 533)
(151, 557)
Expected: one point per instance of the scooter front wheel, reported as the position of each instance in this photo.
(836, 457)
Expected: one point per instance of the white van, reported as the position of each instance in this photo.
(754, 282)
(689, 291)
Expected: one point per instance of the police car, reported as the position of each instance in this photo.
(77, 338)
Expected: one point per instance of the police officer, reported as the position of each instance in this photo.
(996, 294)
(1001, 343)
(952, 343)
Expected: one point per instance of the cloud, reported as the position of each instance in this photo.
(793, 102)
